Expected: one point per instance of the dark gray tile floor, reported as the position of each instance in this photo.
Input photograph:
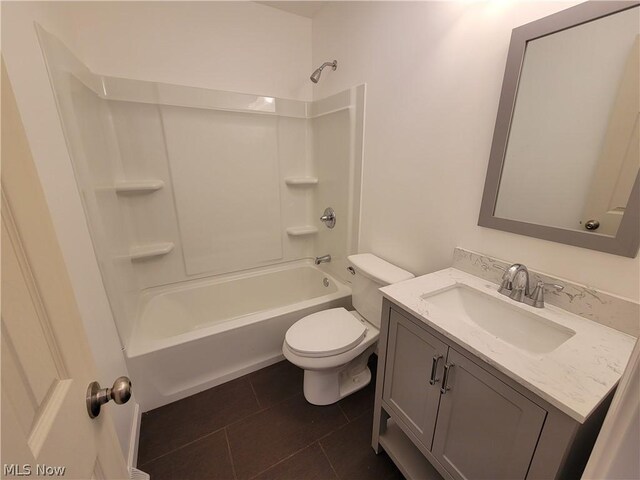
(261, 427)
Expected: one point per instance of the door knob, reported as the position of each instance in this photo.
(592, 224)
(120, 393)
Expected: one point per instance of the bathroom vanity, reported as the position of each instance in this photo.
(474, 385)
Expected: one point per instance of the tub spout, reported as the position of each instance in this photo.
(323, 259)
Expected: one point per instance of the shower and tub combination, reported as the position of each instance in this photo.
(204, 210)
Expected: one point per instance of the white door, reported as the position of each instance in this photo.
(619, 161)
(46, 360)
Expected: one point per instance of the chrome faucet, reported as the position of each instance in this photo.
(323, 259)
(515, 282)
(515, 285)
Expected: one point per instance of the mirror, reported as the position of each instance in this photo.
(565, 156)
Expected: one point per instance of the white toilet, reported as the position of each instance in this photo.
(333, 346)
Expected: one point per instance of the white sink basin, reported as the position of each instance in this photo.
(510, 323)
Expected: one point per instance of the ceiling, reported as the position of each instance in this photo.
(305, 9)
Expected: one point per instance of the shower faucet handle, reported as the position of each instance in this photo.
(329, 217)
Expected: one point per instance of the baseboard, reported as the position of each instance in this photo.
(134, 439)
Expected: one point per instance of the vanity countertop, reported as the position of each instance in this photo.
(575, 377)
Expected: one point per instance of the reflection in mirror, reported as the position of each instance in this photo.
(572, 153)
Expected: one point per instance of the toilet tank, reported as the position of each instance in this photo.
(371, 273)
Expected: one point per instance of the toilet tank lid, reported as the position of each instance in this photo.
(378, 269)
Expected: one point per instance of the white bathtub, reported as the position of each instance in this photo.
(196, 335)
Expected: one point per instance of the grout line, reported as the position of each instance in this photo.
(317, 440)
(260, 407)
(288, 457)
(343, 413)
(369, 410)
(262, 410)
(280, 461)
(180, 447)
(233, 465)
(328, 460)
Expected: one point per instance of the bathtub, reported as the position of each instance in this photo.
(196, 335)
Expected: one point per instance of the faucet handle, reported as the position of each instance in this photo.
(537, 296)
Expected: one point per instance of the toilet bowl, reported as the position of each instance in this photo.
(333, 346)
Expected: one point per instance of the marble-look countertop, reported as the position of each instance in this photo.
(575, 377)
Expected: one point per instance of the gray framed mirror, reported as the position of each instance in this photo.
(565, 158)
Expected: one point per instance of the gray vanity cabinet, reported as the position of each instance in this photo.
(485, 429)
(440, 412)
(416, 362)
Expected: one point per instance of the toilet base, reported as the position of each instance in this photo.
(324, 387)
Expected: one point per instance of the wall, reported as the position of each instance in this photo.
(244, 47)
(434, 72)
(234, 46)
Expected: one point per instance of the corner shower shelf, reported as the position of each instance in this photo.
(301, 181)
(301, 231)
(142, 186)
(151, 250)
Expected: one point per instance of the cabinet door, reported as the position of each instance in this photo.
(407, 390)
(485, 429)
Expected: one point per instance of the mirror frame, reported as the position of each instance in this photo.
(627, 239)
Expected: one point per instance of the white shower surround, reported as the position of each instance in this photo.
(126, 164)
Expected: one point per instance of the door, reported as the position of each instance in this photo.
(46, 360)
(619, 161)
(485, 429)
(415, 361)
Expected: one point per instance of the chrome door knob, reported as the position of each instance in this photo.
(592, 224)
(120, 393)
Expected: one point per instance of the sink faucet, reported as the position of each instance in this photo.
(323, 259)
(515, 284)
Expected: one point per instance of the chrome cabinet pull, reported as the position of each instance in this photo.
(434, 369)
(445, 378)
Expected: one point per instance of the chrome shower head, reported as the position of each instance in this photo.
(315, 76)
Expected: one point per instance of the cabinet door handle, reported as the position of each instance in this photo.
(434, 369)
(445, 378)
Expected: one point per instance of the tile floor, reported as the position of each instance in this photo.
(260, 427)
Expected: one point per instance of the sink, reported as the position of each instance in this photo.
(510, 323)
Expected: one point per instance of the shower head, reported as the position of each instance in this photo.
(315, 76)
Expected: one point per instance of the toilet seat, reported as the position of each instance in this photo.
(326, 333)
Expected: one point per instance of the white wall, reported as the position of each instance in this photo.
(235, 46)
(434, 73)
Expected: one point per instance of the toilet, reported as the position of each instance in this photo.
(333, 346)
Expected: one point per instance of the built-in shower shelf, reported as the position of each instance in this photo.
(152, 250)
(301, 181)
(142, 186)
(301, 231)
